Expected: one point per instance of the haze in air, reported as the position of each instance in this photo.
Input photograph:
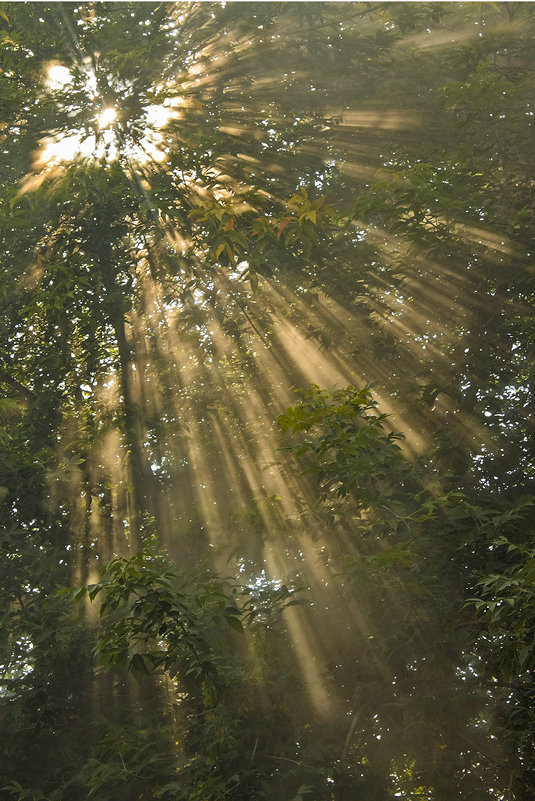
(266, 394)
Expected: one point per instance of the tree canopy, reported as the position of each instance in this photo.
(213, 588)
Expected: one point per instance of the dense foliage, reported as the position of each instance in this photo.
(203, 207)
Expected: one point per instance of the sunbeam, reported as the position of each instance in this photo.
(266, 468)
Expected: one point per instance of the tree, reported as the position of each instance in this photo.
(422, 553)
(204, 207)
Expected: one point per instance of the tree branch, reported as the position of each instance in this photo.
(6, 378)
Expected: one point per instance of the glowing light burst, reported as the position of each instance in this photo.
(58, 77)
(107, 117)
(108, 140)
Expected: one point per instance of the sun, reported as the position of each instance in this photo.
(107, 117)
(105, 135)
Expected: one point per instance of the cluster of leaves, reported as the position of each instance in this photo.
(188, 627)
(460, 198)
(152, 595)
(417, 557)
(45, 661)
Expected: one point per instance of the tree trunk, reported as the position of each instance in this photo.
(140, 478)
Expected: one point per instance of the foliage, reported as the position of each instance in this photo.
(158, 619)
(207, 206)
(433, 649)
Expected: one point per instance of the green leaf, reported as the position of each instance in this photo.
(234, 623)
(138, 665)
(232, 610)
(93, 590)
(79, 594)
(524, 653)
